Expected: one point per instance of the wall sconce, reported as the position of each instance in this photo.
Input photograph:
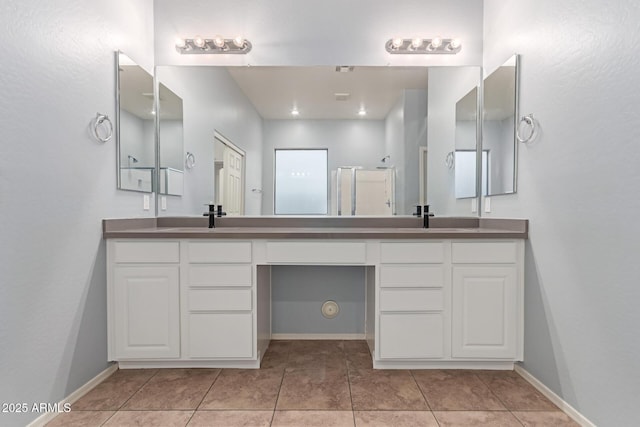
(435, 45)
(217, 44)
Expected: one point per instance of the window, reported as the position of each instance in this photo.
(301, 184)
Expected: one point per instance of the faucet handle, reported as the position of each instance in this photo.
(418, 211)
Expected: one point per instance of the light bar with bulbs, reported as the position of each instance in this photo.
(418, 45)
(217, 44)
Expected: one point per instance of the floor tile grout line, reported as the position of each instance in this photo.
(425, 398)
(491, 391)
(204, 396)
(353, 411)
(497, 397)
(138, 390)
(421, 391)
(284, 372)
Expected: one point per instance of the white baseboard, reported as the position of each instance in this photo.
(557, 400)
(317, 336)
(73, 397)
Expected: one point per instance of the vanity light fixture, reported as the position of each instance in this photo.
(217, 44)
(436, 45)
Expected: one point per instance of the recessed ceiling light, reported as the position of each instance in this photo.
(362, 112)
(294, 111)
(344, 68)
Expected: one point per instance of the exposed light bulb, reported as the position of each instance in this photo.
(416, 43)
(218, 41)
(239, 41)
(180, 43)
(198, 41)
(397, 42)
(436, 42)
(454, 44)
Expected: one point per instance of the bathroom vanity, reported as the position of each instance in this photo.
(183, 295)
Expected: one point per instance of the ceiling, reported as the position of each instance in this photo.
(274, 91)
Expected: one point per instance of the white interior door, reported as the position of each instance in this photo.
(374, 192)
(233, 192)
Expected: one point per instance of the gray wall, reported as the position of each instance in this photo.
(298, 293)
(349, 143)
(57, 71)
(579, 185)
(212, 101)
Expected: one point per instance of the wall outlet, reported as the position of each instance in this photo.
(145, 202)
(163, 203)
(487, 204)
(474, 205)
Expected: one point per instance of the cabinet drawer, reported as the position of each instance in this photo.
(219, 299)
(427, 276)
(220, 275)
(219, 252)
(316, 252)
(411, 336)
(411, 300)
(130, 252)
(412, 252)
(484, 252)
(220, 335)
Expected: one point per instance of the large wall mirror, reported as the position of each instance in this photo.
(171, 132)
(465, 156)
(500, 109)
(135, 126)
(392, 126)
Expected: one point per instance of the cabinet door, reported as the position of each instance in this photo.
(147, 318)
(411, 335)
(484, 318)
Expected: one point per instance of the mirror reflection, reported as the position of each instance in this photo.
(171, 138)
(135, 126)
(386, 129)
(499, 128)
(465, 164)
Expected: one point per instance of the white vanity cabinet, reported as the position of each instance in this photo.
(217, 301)
(205, 302)
(487, 300)
(144, 278)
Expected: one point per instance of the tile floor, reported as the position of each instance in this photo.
(313, 383)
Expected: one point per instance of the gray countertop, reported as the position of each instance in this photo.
(315, 228)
